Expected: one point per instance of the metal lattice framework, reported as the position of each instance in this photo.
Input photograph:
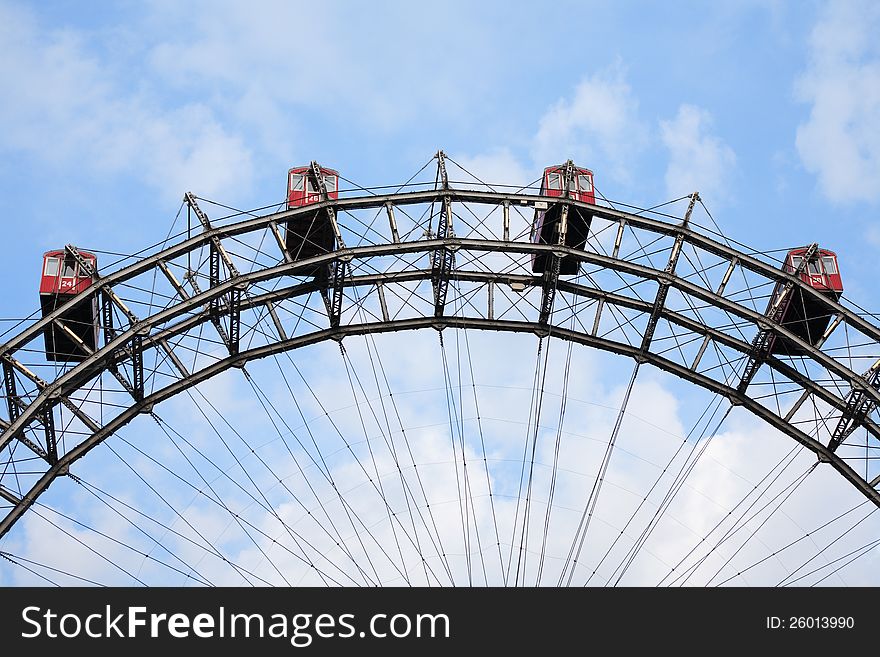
(652, 288)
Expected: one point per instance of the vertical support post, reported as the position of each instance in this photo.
(442, 259)
(234, 320)
(392, 222)
(48, 418)
(276, 321)
(214, 303)
(568, 176)
(11, 392)
(687, 215)
(137, 365)
(214, 275)
(107, 317)
(598, 317)
(619, 239)
(380, 288)
(337, 272)
(549, 281)
(491, 294)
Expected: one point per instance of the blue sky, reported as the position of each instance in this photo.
(116, 110)
(113, 110)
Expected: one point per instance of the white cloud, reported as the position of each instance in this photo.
(840, 141)
(76, 112)
(278, 60)
(598, 127)
(698, 160)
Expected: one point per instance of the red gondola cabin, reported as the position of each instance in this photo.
(803, 315)
(310, 234)
(62, 279)
(547, 221)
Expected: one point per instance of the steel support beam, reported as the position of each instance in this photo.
(549, 281)
(9, 496)
(392, 222)
(137, 366)
(178, 364)
(858, 407)
(84, 264)
(764, 341)
(47, 416)
(12, 398)
(68, 380)
(276, 320)
(315, 173)
(665, 282)
(71, 379)
(279, 240)
(420, 323)
(640, 222)
(178, 288)
(337, 282)
(380, 291)
(230, 302)
(107, 317)
(214, 238)
(442, 259)
(134, 352)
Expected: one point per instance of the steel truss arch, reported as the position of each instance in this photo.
(34, 398)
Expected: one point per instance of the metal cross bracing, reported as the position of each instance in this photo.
(443, 259)
(651, 287)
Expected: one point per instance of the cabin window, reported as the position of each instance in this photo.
(311, 185)
(585, 183)
(51, 267)
(69, 269)
(795, 263)
(296, 182)
(554, 181)
(829, 265)
(330, 183)
(814, 267)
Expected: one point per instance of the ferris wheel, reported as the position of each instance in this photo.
(444, 382)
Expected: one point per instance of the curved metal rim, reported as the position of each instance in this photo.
(436, 323)
(491, 198)
(75, 377)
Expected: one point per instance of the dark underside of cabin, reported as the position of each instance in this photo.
(575, 237)
(807, 318)
(81, 320)
(309, 235)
